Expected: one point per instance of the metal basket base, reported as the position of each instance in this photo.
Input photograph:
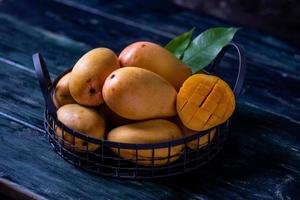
(106, 163)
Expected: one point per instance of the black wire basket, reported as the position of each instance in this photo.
(107, 159)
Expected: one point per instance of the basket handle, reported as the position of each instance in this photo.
(44, 80)
(241, 67)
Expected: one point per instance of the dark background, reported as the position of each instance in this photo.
(277, 17)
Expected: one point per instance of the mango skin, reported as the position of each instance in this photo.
(151, 131)
(204, 101)
(89, 74)
(203, 140)
(139, 94)
(82, 119)
(155, 58)
(61, 95)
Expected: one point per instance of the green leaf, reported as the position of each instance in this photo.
(206, 46)
(178, 45)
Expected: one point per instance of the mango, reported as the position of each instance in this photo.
(148, 132)
(89, 74)
(61, 95)
(203, 140)
(155, 58)
(139, 94)
(204, 101)
(82, 119)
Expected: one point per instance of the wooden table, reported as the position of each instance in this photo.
(261, 159)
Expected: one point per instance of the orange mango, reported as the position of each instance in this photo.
(203, 140)
(204, 101)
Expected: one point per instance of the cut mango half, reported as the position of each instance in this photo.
(204, 101)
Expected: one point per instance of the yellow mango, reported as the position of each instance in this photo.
(139, 94)
(148, 132)
(82, 119)
(61, 95)
(88, 75)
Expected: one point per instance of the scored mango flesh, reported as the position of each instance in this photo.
(204, 101)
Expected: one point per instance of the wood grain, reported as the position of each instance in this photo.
(260, 161)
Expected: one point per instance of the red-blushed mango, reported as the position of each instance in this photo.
(82, 119)
(148, 132)
(155, 58)
(204, 101)
(61, 95)
(89, 74)
(139, 94)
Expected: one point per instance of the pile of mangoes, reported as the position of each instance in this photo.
(146, 95)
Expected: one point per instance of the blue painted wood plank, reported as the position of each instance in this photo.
(31, 163)
(163, 18)
(261, 159)
(60, 51)
(20, 95)
(166, 19)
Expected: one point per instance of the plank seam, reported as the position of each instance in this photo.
(19, 121)
(19, 66)
(10, 62)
